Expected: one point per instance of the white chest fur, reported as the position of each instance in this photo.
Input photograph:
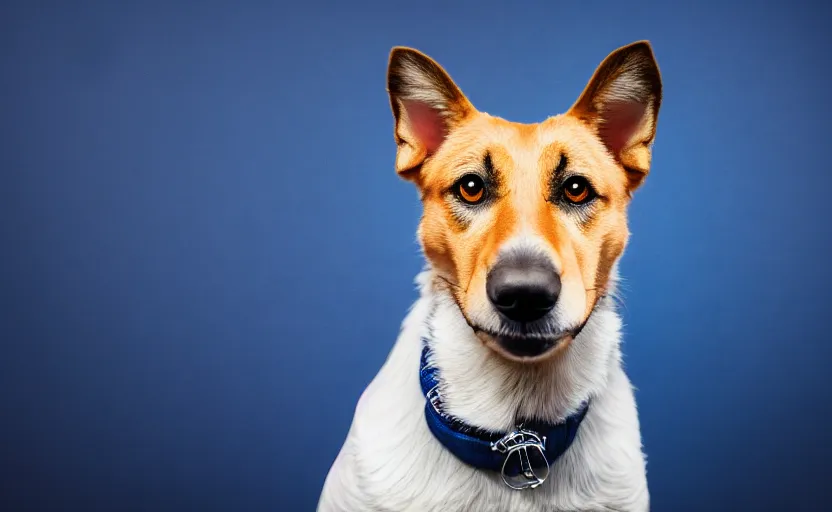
(391, 462)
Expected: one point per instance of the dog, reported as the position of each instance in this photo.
(505, 389)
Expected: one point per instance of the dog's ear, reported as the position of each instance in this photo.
(426, 105)
(621, 104)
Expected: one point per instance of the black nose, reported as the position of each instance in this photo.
(523, 289)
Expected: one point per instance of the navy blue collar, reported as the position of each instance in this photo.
(522, 456)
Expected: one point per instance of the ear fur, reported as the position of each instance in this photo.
(621, 104)
(426, 106)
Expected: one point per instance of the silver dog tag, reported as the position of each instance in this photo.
(525, 465)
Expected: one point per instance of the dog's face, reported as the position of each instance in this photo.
(525, 222)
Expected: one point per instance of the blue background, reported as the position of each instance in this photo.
(206, 253)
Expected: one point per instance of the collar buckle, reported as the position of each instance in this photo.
(525, 465)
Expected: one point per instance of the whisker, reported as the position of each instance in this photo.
(448, 282)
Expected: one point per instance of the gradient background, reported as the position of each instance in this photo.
(206, 253)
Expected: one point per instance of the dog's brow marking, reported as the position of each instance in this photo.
(488, 165)
(553, 158)
(555, 176)
(564, 161)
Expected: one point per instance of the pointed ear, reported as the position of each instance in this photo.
(621, 103)
(426, 105)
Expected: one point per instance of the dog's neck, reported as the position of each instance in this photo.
(485, 390)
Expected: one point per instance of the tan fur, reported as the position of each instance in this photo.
(524, 157)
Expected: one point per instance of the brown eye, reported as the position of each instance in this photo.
(577, 190)
(471, 189)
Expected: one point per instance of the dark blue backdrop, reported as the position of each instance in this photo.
(206, 253)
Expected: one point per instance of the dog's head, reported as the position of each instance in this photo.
(525, 222)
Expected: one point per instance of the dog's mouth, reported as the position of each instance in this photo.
(523, 342)
(525, 349)
(529, 342)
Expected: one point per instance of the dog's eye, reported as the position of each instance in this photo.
(577, 190)
(470, 189)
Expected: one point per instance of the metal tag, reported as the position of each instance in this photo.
(525, 465)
